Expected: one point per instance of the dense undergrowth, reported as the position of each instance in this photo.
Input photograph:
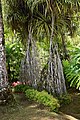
(72, 68)
(53, 103)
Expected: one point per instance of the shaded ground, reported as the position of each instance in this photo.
(25, 110)
(73, 108)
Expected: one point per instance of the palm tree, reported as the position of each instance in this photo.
(55, 82)
(44, 12)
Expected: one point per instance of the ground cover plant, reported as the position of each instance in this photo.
(43, 97)
(21, 88)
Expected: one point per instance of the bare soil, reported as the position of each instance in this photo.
(73, 108)
(27, 110)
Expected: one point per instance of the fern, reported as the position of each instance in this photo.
(72, 68)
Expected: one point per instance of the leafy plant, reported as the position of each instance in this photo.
(14, 54)
(43, 98)
(72, 68)
(21, 88)
(65, 99)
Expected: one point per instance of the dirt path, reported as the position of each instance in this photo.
(73, 108)
(25, 110)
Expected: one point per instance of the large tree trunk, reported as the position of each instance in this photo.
(5, 94)
(55, 83)
(3, 71)
(29, 67)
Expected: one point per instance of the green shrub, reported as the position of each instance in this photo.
(65, 99)
(21, 88)
(14, 54)
(31, 94)
(43, 98)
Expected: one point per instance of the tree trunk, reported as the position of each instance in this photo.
(65, 54)
(5, 93)
(3, 71)
(55, 80)
(29, 67)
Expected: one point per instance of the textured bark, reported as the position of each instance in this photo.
(29, 68)
(55, 83)
(65, 54)
(5, 94)
(50, 69)
(3, 72)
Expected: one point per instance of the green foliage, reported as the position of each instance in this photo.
(40, 97)
(43, 98)
(72, 68)
(65, 99)
(21, 88)
(43, 49)
(14, 54)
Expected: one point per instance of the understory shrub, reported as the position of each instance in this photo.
(43, 98)
(14, 54)
(65, 99)
(72, 68)
(21, 88)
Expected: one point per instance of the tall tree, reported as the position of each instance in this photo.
(44, 12)
(5, 94)
(3, 71)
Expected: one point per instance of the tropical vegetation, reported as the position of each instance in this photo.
(39, 46)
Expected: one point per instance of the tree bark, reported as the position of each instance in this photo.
(55, 78)
(65, 54)
(30, 68)
(3, 71)
(5, 93)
